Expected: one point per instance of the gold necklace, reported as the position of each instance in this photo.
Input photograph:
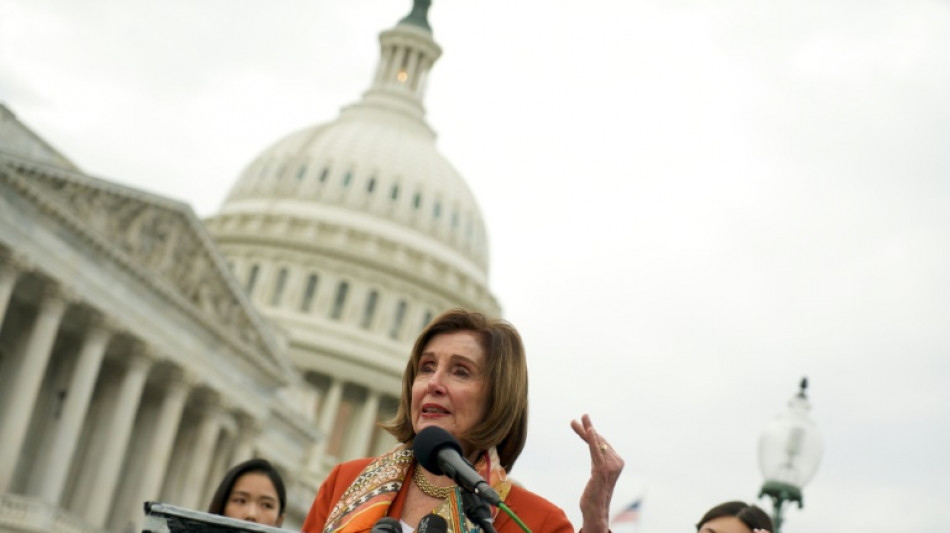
(428, 488)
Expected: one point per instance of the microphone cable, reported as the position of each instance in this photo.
(513, 516)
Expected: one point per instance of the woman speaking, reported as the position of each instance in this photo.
(467, 375)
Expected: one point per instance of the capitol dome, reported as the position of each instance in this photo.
(379, 167)
(351, 236)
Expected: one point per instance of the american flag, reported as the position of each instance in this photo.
(628, 515)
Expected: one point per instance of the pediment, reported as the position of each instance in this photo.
(19, 139)
(160, 239)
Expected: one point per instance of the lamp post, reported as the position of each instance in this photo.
(789, 452)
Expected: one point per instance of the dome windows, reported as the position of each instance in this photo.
(279, 287)
(402, 187)
(340, 300)
(400, 315)
(252, 279)
(369, 310)
(386, 308)
(309, 292)
(426, 318)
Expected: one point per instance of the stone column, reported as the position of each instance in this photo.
(26, 384)
(200, 461)
(385, 59)
(424, 67)
(248, 430)
(65, 435)
(163, 441)
(398, 57)
(103, 487)
(412, 71)
(328, 411)
(8, 277)
(364, 426)
(220, 459)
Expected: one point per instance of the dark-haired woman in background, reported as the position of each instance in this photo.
(466, 374)
(252, 491)
(735, 517)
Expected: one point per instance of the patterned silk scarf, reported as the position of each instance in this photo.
(369, 497)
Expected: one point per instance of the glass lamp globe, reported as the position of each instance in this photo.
(790, 449)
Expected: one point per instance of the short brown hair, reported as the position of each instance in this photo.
(505, 425)
(750, 515)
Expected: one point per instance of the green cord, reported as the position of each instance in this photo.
(513, 516)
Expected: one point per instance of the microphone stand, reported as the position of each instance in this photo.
(478, 511)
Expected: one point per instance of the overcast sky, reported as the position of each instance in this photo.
(690, 205)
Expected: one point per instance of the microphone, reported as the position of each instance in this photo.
(478, 511)
(388, 524)
(432, 523)
(439, 453)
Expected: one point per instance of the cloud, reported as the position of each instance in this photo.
(690, 206)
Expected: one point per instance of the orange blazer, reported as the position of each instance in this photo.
(540, 515)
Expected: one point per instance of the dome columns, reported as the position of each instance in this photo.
(407, 53)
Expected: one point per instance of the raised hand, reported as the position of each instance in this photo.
(605, 468)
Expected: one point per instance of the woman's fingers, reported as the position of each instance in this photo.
(585, 430)
(581, 427)
(603, 457)
(595, 441)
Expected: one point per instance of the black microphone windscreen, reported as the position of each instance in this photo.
(427, 444)
(432, 523)
(387, 524)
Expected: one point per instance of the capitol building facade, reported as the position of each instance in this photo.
(144, 351)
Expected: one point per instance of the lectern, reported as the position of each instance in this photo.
(164, 518)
